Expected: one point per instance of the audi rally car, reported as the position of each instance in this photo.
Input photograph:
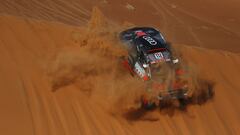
(150, 58)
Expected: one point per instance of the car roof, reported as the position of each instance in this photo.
(130, 34)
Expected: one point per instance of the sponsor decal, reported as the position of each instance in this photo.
(150, 40)
(158, 55)
(139, 70)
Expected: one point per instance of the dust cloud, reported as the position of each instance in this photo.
(93, 64)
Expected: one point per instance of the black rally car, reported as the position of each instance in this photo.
(151, 58)
(146, 46)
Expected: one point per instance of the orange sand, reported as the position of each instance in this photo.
(44, 44)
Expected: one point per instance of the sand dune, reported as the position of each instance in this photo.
(53, 83)
(205, 24)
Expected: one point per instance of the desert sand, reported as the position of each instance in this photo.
(60, 74)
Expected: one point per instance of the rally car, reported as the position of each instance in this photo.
(151, 59)
(146, 46)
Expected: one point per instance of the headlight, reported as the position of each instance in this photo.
(175, 61)
(145, 65)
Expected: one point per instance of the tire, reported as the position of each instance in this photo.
(148, 105)
(182, 103)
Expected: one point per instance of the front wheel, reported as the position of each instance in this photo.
(182, 103)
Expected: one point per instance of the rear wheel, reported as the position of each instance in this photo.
(182, 103)
(148, 105)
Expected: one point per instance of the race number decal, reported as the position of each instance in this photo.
(158, 55)
(150, 40)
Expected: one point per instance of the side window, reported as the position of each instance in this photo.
(160, 38)
(133, 53)
(142, 57)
